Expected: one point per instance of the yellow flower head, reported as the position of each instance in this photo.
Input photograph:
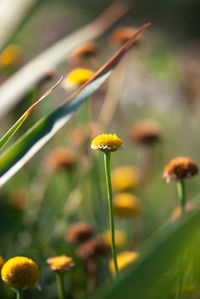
(77, 77)
(124, 259)
(60, 263)
(20, 272)
(120, 238)
(126, 205)
(124, 178)
(1, 262)
(10, 55)
(106, 142)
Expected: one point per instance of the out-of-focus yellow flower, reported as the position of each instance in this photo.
(1, 262)
(20, 272)
(60, 263)
(106, 142)
(77, 77)
(10, 55)
(126, 205)
(124, 259)
(120, 238)
(124, 178)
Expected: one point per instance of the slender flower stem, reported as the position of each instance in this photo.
(110, 204)
(19, 294)
(182, 199)
(60, 285)
(181, 195)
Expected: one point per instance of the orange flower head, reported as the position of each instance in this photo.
(180, 168)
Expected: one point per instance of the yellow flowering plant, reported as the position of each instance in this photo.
(108, 143)
(20, 273)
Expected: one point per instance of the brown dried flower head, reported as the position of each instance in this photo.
(79, 232)
(180, 168)
(146, 132)
(121, 35)
(176, 214)
(85, 51)
(95, 247)
(60, 263)
(60, 158)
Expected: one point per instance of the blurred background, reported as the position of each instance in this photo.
(157, 82)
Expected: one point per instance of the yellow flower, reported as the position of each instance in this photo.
(120, 238)
(77, 77)
(60, 263)
(1, 262)
(124, 259)
(20, 272)
(124, 178)
(106, 142)
(126, 205)
(10, 55)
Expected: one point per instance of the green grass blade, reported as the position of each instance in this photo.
(25, 148)
(11, 17)
(12, 91)
(160, 253)
(20, 121)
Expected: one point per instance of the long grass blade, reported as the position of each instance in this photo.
(25, 148)
(158, 256)
(12, 91)
(20, 121)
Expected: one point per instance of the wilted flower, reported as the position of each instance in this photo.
(124, 259)
(124, 178)
(106, 142)
(79, 232)
(176, 214)
(84, 51)
(180, 168)
(77, 77)
(20, 272)
(60, 263)
(121, 35)
(120, 238)
(10, 55)
(126, 205)
(146, 132)
(93, 248)
(60, 158)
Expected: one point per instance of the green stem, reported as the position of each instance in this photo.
(182, 199)
(110, 204)
(60, 285)
(19, 294)
(182, 195)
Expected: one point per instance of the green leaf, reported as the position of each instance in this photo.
(12, 91)
(20, 121)
(25, 148)
(158, 256)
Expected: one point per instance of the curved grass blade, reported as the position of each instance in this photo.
(20, 121)
(160, 253)
(27, 146)
(11, 17)
(12, 91)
